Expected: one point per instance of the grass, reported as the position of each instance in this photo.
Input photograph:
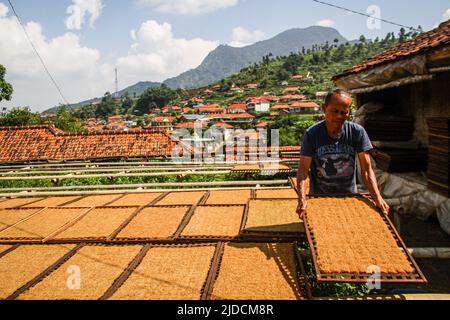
(335, 290)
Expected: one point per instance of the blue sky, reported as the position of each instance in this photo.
(170, 37)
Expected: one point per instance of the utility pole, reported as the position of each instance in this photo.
(117, 84)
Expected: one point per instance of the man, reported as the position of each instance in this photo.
(329, 149)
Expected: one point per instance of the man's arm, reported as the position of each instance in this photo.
(302, 176)
(370, 180)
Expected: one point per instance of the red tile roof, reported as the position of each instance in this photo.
(425, 42)
(263, 124)
(279, 107)
(164, 119)
(223, 124)
(237, 106)
(305, 105)
(293, 97)
(191, 125)
(230, 116)
(41, 143)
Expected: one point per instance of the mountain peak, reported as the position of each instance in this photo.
(226, 60)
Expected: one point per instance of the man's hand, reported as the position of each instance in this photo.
(301, 208)
(382, 205)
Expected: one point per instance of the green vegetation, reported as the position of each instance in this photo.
(140, 180)
(334, 289)
(6, 89)
(320, 62)
(292, 127)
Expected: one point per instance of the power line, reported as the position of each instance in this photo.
(365, 15)
(37, 53)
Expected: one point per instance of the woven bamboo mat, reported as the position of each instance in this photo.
(51, 202)
(169, 273)
(274, 216)
(138, 199)
(93, 201)
(98, 267)
(42, 224)
(9, 217)
(276, 194)
(154, 223)
(229, 197)
(25, 263)
(181, 198)
(215, 221)
(253, 271)
(13, 203)
(97, 224)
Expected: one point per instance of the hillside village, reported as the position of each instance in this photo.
(105, 178)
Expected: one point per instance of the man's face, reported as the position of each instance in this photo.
(338, 110)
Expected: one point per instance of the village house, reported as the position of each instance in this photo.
(304, 107)
(237, 108)
(240, 117)
(209, 110)
(259, 105)
(279, 107)
(403, 101)
(291, 90)
(292, 97)
(222, 126)
(165, 123)
(252, 86)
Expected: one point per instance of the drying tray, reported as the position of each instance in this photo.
(274, 236)
(300, 273)
(416, 277)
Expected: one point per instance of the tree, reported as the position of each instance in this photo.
(6, 89)
(20, 117)
(107, 107)
(152, 98)
(66, 121)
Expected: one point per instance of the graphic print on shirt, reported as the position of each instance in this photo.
(335, 164)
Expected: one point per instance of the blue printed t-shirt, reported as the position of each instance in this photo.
(333, 167)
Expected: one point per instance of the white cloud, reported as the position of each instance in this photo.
(446, 15)
(242, 37)
(189, 6)
(325, 23)
(79, 10)
(3, 10)
(76, 69)
(157, 55)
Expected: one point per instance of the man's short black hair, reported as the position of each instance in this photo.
(330, 95)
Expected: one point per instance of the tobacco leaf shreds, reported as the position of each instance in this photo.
(51, 202)
(12, 216)
(351, 235)
(246, 167)
(25, 263)
(3, 248)
(229, 197)
(171, 273)
(135, 199)
(276, 194)
(215, 221)
(98, 223)
(12, 203)
(275, 167)
(42, 224)
(85, 276)
(262, 271)
(154, 223)
(182, 198)
(93, 201)
(273, 216)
